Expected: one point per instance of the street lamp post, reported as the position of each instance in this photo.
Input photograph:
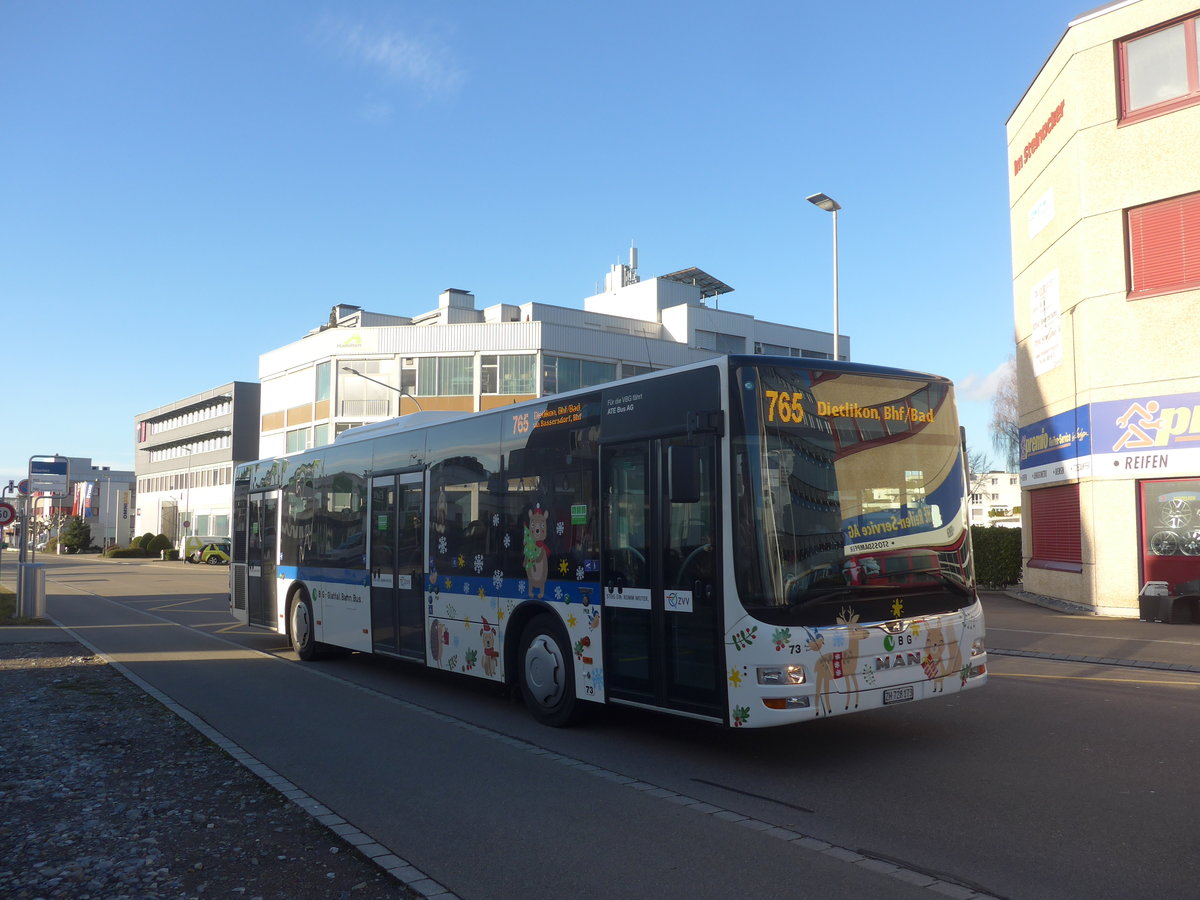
(827, 203)
(390, 387)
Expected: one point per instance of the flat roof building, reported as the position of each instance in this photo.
(185, 453)
(362, 367)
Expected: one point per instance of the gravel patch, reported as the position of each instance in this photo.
(104, 793)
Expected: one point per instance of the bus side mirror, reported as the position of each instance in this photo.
(683, 474)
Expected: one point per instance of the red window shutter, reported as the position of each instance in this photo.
(1054, 517)
(1164, 245)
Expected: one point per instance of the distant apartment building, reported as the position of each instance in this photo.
(185, 455)
(995, 499)
(1105, 216)
(362, 367)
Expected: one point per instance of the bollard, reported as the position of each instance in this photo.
(31, 604)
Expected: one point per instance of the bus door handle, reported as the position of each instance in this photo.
(617, 584)
(705, 589)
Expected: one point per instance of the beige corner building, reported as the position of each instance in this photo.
(1104, 186)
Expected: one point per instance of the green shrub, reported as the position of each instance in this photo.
(997, 555)
(125, 553)
(144, 540)
(158, 544)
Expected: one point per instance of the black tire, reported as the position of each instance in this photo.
(214, 561)
(547, 673)
(301, 628)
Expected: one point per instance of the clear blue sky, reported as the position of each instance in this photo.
(184, 186)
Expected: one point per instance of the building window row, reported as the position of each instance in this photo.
(179, 451)
(764, 349)
(210, 476)
(191, 417)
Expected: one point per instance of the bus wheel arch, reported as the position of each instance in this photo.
(301, 625)
(545, 671)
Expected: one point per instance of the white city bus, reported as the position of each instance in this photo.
(750, 540)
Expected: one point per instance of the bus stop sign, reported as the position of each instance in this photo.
(48, 475)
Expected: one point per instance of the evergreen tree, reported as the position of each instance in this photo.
(76, 536)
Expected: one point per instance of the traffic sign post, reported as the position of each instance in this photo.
(8, 515)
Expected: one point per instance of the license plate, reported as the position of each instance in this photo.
(897, 695)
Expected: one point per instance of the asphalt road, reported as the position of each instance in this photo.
(1061, 778)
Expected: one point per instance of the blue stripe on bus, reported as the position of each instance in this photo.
(565, 592)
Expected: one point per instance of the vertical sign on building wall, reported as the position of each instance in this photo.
(1045, 313)
(1041, 213)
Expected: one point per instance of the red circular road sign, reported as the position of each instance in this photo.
(8, 513)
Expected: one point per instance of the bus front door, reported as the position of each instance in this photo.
(661, 578)
(396, 562)
(262, 557)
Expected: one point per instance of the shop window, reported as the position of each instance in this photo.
(1170, 533)
(1164, 246)
(1056, 529)
(1159, 71)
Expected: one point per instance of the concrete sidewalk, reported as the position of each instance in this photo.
(1016, 627)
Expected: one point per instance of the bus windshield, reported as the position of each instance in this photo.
(848, 492)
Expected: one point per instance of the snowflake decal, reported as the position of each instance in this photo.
(520, 587)
(497, 579)
(579, 573)
(477, 563)
(559, 528)
(507, 541)
(495, 519)
(442, 545)
(598, 680)
(558, 592)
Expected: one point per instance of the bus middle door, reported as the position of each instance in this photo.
(661, 577)
(262, 558)
(397, 545)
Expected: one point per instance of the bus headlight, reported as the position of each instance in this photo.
(977, 647)
(781, 675)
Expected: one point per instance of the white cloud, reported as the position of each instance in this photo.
(981, 389)
(403, 58)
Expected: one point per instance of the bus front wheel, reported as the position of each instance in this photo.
(547, 673)
(301, 628)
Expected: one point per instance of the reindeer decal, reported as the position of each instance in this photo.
(839, 664)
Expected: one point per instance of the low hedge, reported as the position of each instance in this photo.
(125, 553)
(997, 555)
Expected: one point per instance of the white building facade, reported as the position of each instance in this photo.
(364, 367)
(185, 453)
(996, 499)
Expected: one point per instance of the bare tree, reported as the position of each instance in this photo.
(1005, 426)
(979, 464)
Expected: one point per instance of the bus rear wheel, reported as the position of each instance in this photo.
(302, 628)
(547, 673)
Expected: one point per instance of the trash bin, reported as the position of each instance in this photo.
(32, 602)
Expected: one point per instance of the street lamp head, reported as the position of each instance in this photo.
(351, 371)
(825, 202)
